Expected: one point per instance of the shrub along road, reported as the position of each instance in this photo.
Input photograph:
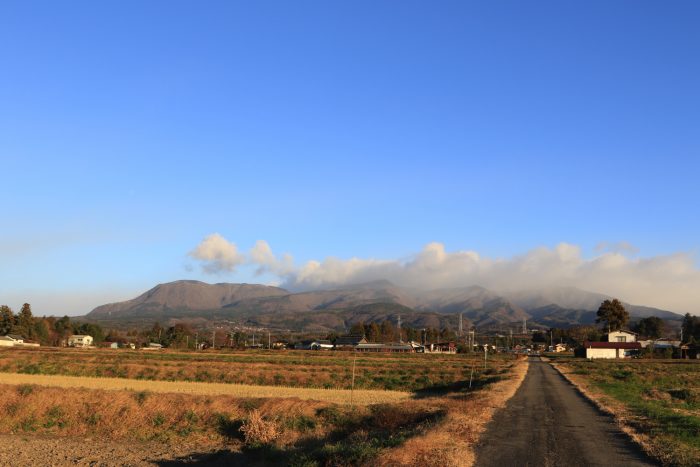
(549, 423)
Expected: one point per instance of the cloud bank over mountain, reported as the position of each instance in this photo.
(669, 281)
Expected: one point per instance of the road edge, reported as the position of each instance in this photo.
(497, 399)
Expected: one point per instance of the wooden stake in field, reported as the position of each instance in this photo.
(352, 384)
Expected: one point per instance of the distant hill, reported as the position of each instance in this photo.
(338, 309)
(186, 295)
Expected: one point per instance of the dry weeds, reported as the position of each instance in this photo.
(258, 431)
(452, 442)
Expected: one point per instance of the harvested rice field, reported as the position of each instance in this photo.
(168, 408)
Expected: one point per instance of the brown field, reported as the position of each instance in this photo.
(338, 396)
(434, 423)
(320, 369)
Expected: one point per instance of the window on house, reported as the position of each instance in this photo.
(621, 338)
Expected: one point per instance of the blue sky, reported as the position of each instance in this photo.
(130, 131)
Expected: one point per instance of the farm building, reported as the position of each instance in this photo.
(660, 344)
(6, 341)
(152, 346)
(79, 341)
(560, 348)
(318, 344)
(691, 351)
(349, 341)
(400, 347)
(15, 339)
(609, 349)
(622, 336)
(441, 347)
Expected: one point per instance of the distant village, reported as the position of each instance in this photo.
(26, 331)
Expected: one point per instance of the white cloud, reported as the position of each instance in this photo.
(670, 282)
(261, 255)
(217, 255)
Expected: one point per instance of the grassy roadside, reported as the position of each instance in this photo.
(656, 402)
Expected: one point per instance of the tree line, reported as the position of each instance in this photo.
(387, 331)
(45, 330)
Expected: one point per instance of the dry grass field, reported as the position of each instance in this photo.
(656, 401)
(338, 396)
(330, 370)
(434, 423)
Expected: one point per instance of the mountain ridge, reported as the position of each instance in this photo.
(334, 308)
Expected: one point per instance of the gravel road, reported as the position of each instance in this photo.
(549, 423)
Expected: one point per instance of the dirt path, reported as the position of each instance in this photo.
(339, 396)
(549, 423)
(21, 451)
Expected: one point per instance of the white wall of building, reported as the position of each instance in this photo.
(601, 353)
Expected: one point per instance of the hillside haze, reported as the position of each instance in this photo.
(338, 309)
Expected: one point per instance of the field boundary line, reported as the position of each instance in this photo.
(339, 396)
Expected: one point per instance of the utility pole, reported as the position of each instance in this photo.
(352, 385)
(460, 324)
(196, 341)
(268, 340)
(213, 339)
(400, 336)
(524, 326)
(551, 339)
(511, 338)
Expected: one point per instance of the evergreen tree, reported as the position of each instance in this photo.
(7, 320)
(691, 328)
(651, 327)
(25, 322)
(613, 314)
(41, 331)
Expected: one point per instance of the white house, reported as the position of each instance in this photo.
(611, 349)
(79, 341)
(560, 348)
(622, 336)
(6, 341)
